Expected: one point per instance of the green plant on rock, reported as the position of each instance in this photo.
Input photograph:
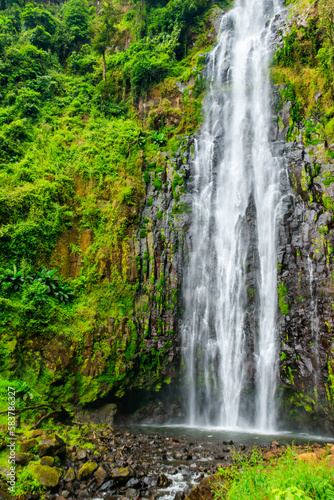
(27, 484)
(282, 301)
(157, 182)
(158, 139)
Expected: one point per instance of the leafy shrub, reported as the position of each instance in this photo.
(77, 20)
(23, 63)
(34, 16)
(38, 285)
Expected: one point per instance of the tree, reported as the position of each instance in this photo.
(77, 19)
(105, 30)
(34, 16)
(326, 13)
(326, 54)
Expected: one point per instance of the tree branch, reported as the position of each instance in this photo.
(20, 410)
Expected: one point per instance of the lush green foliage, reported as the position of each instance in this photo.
(72, 151)
(304, 65)
(285, 478)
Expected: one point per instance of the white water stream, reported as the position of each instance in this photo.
(235, 174)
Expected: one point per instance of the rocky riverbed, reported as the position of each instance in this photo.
(118, 463)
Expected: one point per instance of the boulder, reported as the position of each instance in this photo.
(81, 454)
(268, 455)
(47, 461)
(100, 476)
(122, 474)
(23, 458)
(163, 481)
(320, 453)
(47, 476)
(28, 445)
(86, 470)
(69, 476)
(307, 457)
(51, 446)
(205, 490)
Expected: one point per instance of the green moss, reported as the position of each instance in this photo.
(282, 301)
(157, 182)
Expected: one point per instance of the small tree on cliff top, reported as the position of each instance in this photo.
(326, 13)
(326, 53)
(105, 30)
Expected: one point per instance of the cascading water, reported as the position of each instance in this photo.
(235, 174)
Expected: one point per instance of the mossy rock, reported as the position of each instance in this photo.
(206, 489)
(48, 461)
(47, 476)
(69, 476)
(86, 470)
(28, 444)
(122, 474)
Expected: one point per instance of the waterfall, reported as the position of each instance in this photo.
(235, 176)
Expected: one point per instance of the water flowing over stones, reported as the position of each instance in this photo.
(229, 338)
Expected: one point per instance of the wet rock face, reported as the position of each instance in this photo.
(305, 282)
(160, 253)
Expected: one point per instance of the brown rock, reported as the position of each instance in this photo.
(86, 239)
(307, 457)
(330, 464)
(81, 454)
(100, 476)
(274, 444)
(23, 458)
(268, 455)
(205, 490)
(320, 452)
(51, 446)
